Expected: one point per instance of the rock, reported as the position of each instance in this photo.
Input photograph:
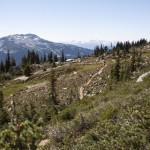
(140, 79)
(74, 72)
(43, 142)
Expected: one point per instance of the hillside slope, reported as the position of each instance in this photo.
(111, 115)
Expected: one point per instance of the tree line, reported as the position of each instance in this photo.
(119, 48)
(9, 64)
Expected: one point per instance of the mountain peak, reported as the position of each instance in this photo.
(23, 36)
(19, 44)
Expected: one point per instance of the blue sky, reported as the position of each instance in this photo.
(65, 20)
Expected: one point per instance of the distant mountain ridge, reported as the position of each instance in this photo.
(92, 43)
(19, 44)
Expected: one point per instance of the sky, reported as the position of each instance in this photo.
(81, 20)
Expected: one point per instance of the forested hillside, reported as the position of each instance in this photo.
(92, 102)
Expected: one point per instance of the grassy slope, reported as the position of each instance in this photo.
(116, 119)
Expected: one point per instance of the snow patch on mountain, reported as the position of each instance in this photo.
(91, 44)
(19, 44)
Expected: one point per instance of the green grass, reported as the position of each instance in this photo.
(11, 87)
(116, 119)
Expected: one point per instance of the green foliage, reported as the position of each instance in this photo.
(55, 57)
(7, 62)
(99, 51)
(62, 56)
(27, 70)
(50, 57)
(67, 114)
(1, 99)
(31, 58)
(21, 136)
(118, 119)
(4, 118)
(53, 95)
(115, 70)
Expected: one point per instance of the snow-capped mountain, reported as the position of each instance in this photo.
(92, 43)
(19, 44)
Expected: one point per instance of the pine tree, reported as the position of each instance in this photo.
(97, 51)
(117, 69)
(37, 60)
(2, 67)
(62, 56)
(44, 58)
(7, 62)
(53, 96)
(1, 99)
(50, 57)
(55, 58)
(27, 70)
(78, 55)
(12, 62)
(32, 57)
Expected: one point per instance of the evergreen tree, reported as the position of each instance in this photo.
(7, 62)
(105, 49)
(32, 57)
(2, 67)
(27, 70)
(1, 99)
(28, 57)
(101, 50)
(44, 58)
(62, 56)
(96, 51)
(55, 58)
(12, 62)
(53, 96)
(37, 60)
(79, 55)
(50, 57)
(117, 69)
(24, 61)
(118, 51)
